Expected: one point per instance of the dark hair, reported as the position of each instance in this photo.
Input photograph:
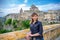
(33, 14)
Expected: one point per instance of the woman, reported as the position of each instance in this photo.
(36, 29)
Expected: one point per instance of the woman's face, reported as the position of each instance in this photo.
(35, 17)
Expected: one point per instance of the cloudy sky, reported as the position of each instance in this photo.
(13, 6)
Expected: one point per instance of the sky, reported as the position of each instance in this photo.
(13, 6)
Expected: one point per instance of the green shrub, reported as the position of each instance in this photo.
(18, 28)
(25, 23)
(8, 21)
(52, 22)
(4, 31)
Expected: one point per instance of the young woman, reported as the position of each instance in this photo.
(36, 29)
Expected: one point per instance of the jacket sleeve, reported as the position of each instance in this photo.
(40, 28)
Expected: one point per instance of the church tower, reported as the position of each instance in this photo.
(21, 11)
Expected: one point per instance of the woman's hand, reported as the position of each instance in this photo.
(28, 36)
(31, 35)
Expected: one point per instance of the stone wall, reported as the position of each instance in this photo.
(50, 33)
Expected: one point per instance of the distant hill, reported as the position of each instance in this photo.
(2, 19)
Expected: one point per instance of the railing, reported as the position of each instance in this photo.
(50, 33)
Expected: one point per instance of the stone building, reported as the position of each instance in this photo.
(51, 15)
(34, 8)
(27, 13)
(12, 16)
(55, 14)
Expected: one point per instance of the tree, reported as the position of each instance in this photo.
(14, 23)
(1, 24)
(25, 23)
(9, 21)
(8, 24)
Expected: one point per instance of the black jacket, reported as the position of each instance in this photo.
(37, 28)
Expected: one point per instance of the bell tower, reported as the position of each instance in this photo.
(21, 11)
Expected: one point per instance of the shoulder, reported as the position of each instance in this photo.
(39, 22)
